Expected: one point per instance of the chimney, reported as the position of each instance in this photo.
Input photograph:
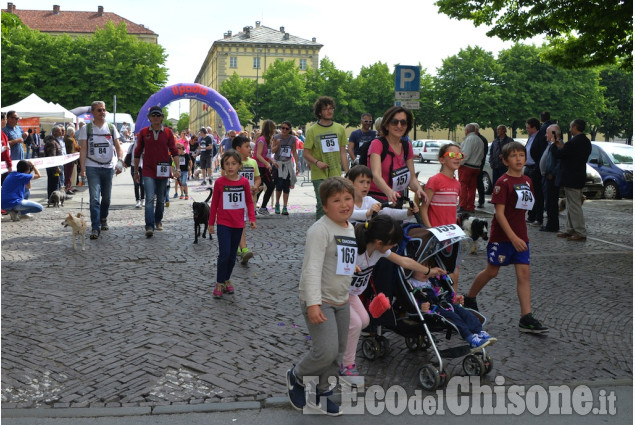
(257, 24)
(11, 7)
(56, 9)
(313, 39)
(100, 10)
(247, 31)
(286, 36)
(281, 29)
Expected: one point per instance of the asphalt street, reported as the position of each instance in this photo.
(130, 326)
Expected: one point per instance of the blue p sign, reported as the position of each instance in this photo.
(407, 78)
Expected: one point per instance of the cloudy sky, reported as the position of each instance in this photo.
(354, 33)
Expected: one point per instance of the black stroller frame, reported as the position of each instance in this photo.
(416, 327)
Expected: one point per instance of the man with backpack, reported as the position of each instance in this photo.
(100, 158)
(157, 144)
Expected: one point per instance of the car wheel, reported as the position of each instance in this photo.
(611, 191)
(421, 159)
(487, 184)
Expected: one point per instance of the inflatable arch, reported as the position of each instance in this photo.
(190, 91)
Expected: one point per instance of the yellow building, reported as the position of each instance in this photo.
(248, 53)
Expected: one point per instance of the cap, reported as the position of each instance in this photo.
(155, 110)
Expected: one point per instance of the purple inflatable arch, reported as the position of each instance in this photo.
(190, 91)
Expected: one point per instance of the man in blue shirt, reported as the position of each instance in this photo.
(14, 134)
(361, 136)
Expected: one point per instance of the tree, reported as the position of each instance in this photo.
(427, 116)
(327, 80)
(372, 91)
(582, 33)
(183, 123)
(283, 94)
(617, 118)
(237, 90)
(75, 72)
(467, 89)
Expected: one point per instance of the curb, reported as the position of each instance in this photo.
(271, 402)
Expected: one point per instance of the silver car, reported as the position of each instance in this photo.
(428, 150)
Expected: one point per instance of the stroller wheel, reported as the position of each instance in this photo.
(371, 349)
(473, 365)
(489, 363)
(429, 377)
(412, 342)
(384, 346)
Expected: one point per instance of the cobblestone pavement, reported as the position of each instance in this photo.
(132, 322)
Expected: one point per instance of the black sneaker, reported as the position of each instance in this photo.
(470, 302)
(528, 323)
(295, 391)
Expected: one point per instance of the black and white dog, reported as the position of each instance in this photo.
(201, 217)
(474, 227)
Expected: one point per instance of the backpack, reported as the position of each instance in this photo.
(89, 134)
(363, 151)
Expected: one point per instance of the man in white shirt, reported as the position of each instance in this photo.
(100, 157)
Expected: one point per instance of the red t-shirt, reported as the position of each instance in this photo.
(229, 201)
(442, 209)
(156, 153)
(6, 150)
(505, 192)
(397, 163)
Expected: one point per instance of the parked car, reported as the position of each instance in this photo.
(428, 150)
(614, 162)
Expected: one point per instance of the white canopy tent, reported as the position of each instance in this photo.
(33, 106)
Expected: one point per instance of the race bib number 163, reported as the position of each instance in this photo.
(346, 255)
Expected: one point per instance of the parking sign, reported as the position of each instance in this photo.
(407, 78)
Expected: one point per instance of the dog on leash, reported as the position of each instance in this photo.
(197, 173)
(79, 226)
(474, 227)
(56, 198)
(201, 216)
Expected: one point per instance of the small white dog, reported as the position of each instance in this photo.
(79, 227)
(474, 227)
(197, 173)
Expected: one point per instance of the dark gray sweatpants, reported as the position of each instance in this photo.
(328, 343)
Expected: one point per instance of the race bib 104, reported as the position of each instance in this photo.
(525, 197)
(346, 255)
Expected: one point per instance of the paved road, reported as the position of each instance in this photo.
(131, 323)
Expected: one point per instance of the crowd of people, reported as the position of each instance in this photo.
(339, 256)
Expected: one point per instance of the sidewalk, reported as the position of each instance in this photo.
(130, 324)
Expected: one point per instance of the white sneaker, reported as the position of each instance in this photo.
(138, 204)
(143, 202)
(27, 216)
(263, 211)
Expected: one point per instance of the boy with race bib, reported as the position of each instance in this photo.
(250, 171)
(509, 243)
(232, 196)
(329, 263)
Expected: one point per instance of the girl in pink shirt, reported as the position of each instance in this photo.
(231, 197)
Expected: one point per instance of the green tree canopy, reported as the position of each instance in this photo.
(237, 90)
(582, 33)
(283, 94)
(76, 71)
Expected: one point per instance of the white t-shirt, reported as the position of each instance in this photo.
(101, 147)
(367, 264)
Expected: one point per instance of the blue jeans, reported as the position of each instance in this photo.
(28, 207)
(154, 188)
(228, 241)
(99, 190)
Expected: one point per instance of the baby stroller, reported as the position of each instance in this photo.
(444, 247)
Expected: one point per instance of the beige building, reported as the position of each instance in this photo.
(248, 54)
(56, 21)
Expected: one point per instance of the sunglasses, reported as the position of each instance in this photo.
(459, 155)
(396, 122)
(367, 122)
(285, 128)
(100, 110)
(156, 115)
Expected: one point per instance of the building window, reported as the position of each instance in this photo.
(257, 63)
(303, 64)
(233, 62)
